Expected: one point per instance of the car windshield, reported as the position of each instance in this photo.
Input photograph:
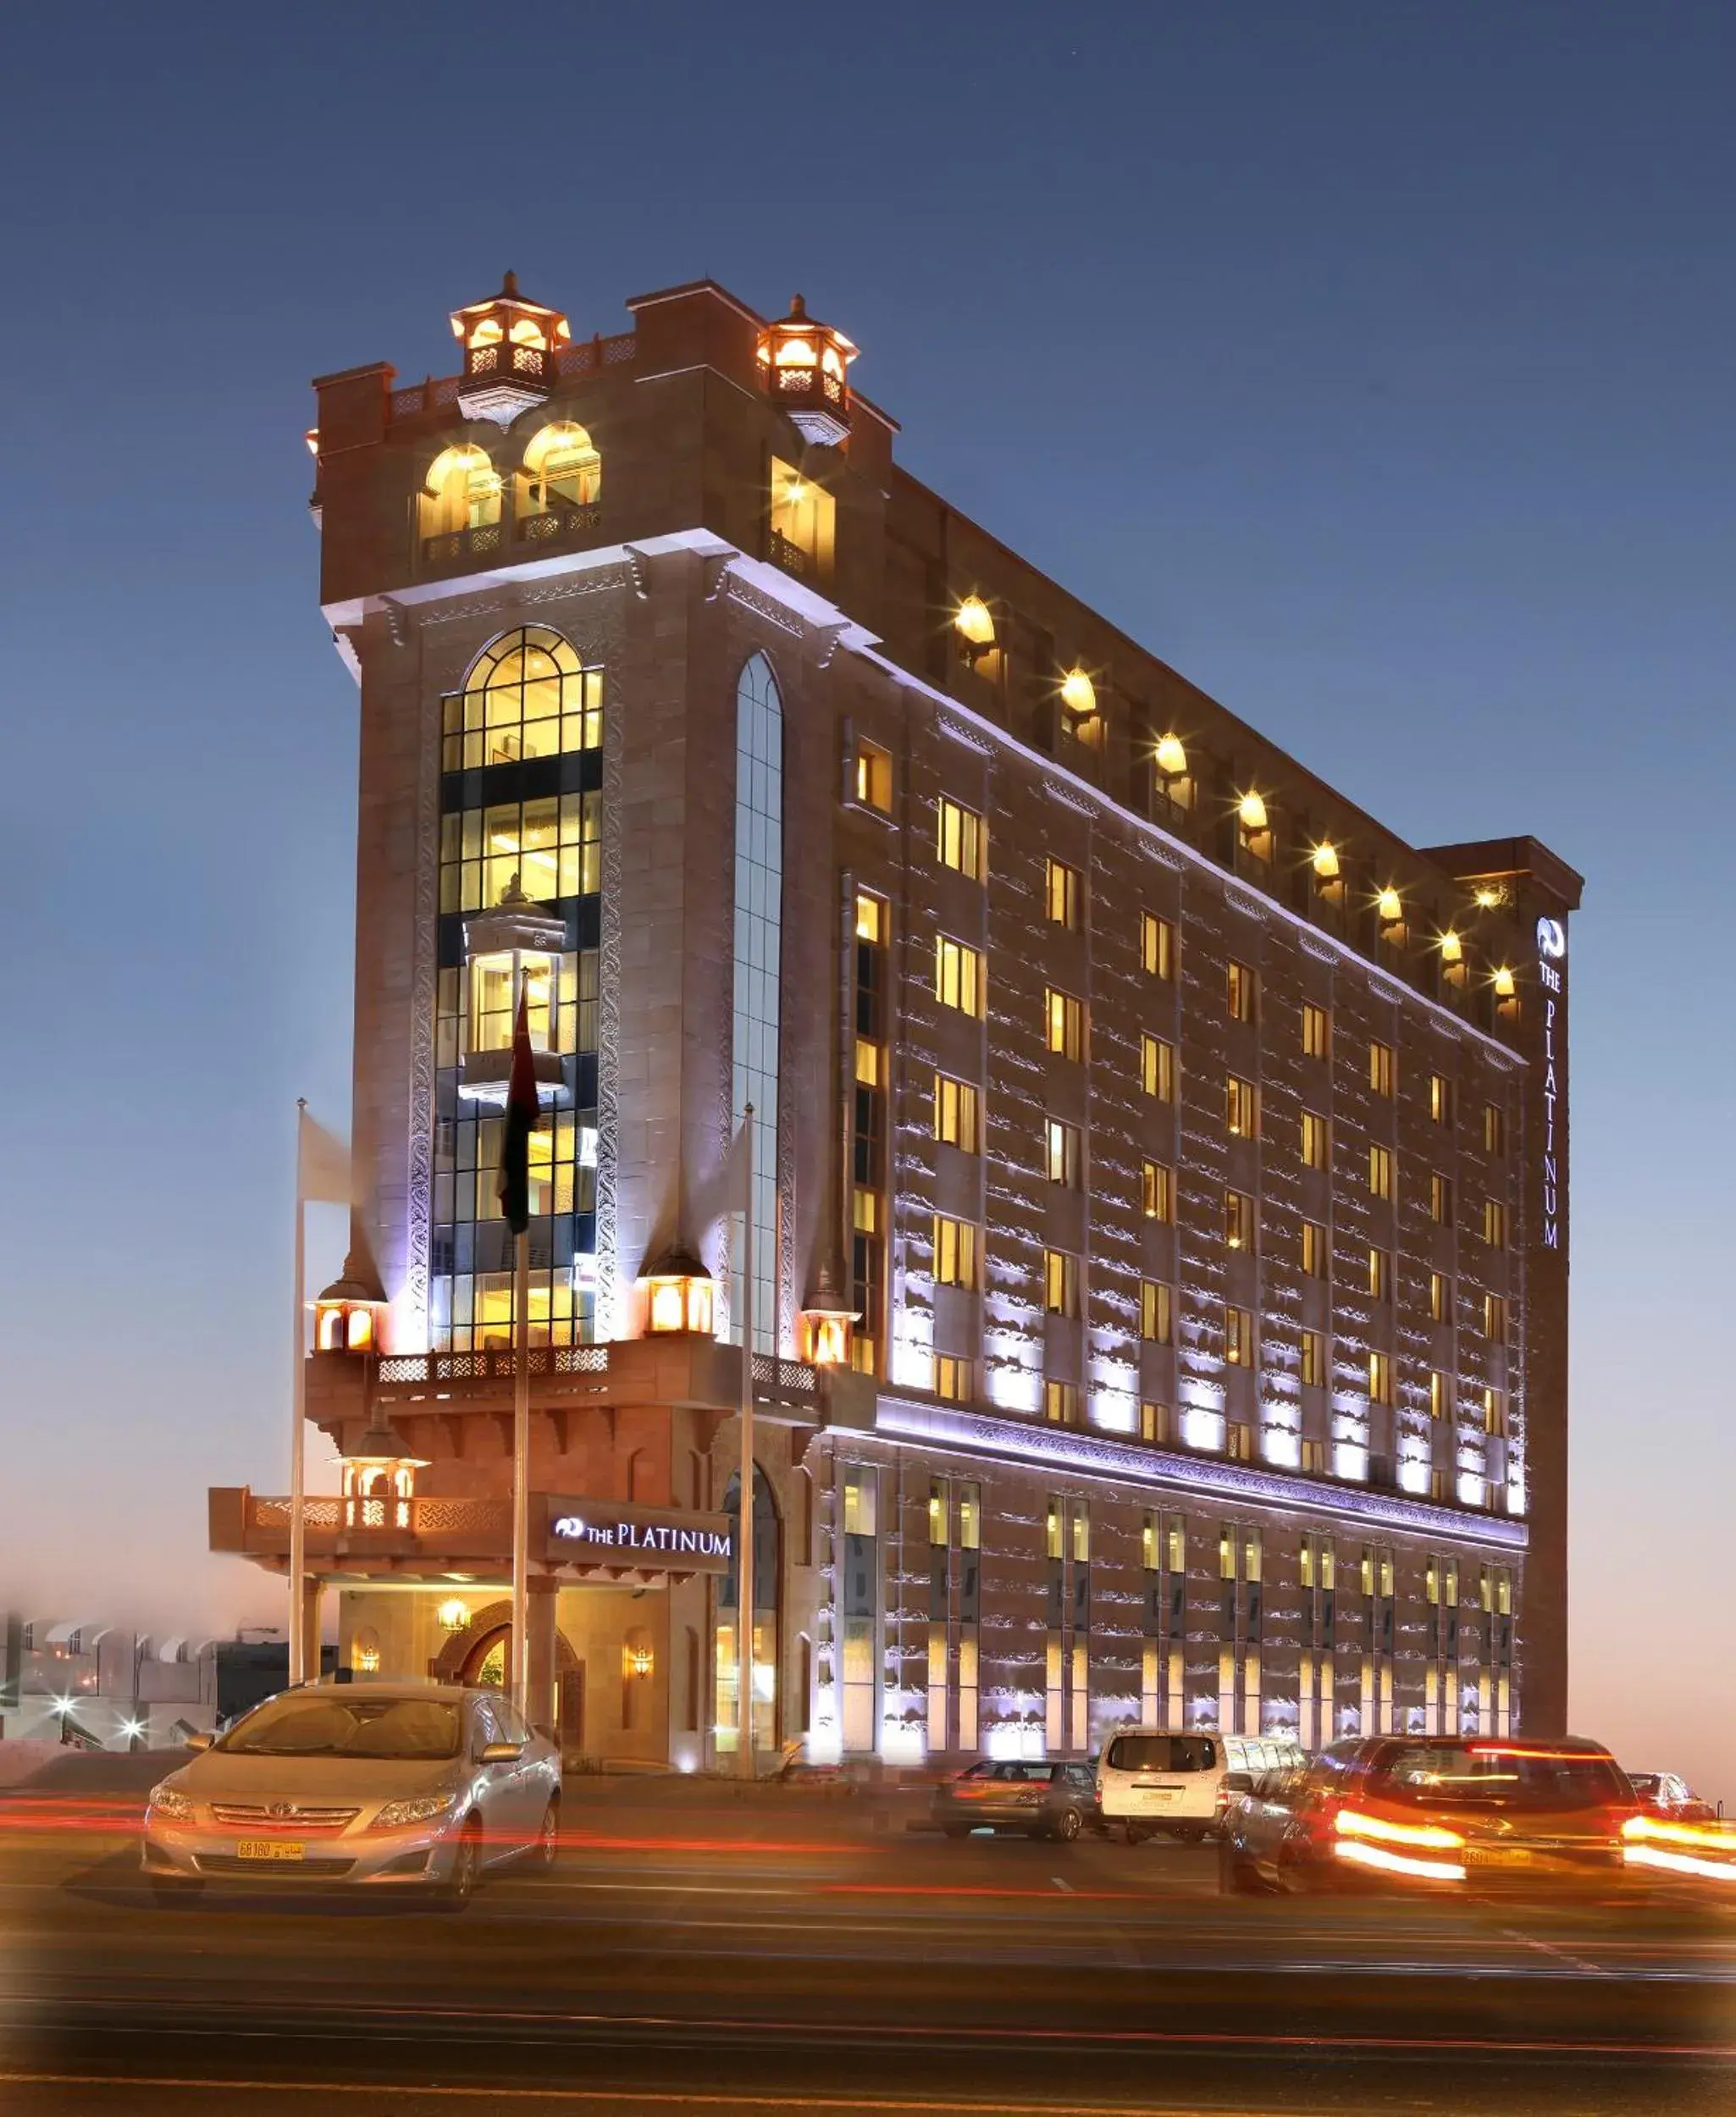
(1646, 1784)
(1499, 1776)
(1161, 1753)
(309, 1726)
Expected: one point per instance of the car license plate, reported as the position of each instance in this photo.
(1498, 1856)
(1160, 1793)
(270, 1849)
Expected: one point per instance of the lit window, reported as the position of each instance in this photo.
(1495, 1411)
(1313, 1359)
(562, 474)
(1381, 1070)
(1495, 1319)
(1154, 1312)
(1440, 1201)
(1381, 1275)
(1315, 1140)
(804, 518)
(962, 836)
(1495, 1129)
(461, 492)
(1316, 1031)
(1063, 892)
(871, 917)
(1060, 1403)
(1239, 1440)
(1242, 1107)
(1238, 1337)
(1157, 1068)
(958, 975)
(546, 850)
(526, 696)
(1157, 945)
(1064, 1021)
(1060, 1283)
(1154, 1426)
(1157, 1190)
(861, 1500)
(1239, 993)
(1063, 1151)
(873, 777)
(1380, 1378)
(1440, 1099)
(954, 1252)
(1440, 1396)
(1495, 1223)
(1439, 1298)
(1316, 1250)
(1239, 1220)
(865, 1211)
(957, 1113)
(952, 1379)
(1380, 1171)
(869, 1057)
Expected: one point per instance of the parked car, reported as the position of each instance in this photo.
(1038, 1799)
(1442, 1812)
(378, 1786)
(1153, 1779)
(1664, 1793)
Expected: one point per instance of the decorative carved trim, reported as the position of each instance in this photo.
(833, 636)
(463, 613)
(957, 732)
(398, 620)
(418, 1200)
(1162, 855)
(1070, 798)
(715, 575)
(612, 1314)
(639, 568)
(1321, 950)
(763, 606)
(1249, 907)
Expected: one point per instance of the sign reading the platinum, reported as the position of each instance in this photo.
(1551, 975)
(609, 1532)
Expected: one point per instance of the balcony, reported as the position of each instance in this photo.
(558, 525)
(442, 1532)
(475, 542)
(790, 557)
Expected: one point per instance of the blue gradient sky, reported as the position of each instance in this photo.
(1371, 363)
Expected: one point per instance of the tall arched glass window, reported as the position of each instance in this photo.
(759, 934)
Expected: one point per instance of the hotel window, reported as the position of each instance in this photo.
(1157, 1191)
(873, 777)
(1157, 945)
(1060, 1403)
(1495, 1129)
(954, 1252)
(1065, 1152)
(1495, 1223)
(1238, 1440)
(1064, 1023)
(1060, 1283)
(1440, 1396)
(1154, 1312)
(1314, 1141)
(1381, 1068)
(1440, 1200)
(803, 516)
(871, 917)
(1313, 1359)
(1380, 1378)
(1316, 1031)
(1439, 1298)
(527, 696)
(1238, 1337)
(1440, 1099)
(1064, 895)
(1495, 1413)
(547, 848)
(1316, 1250)
(1157, 1068)
(958, 975)
(961, 835)
(1154, 1424)
(1380, 1171)
(1242, 1107)
(1380, 1276)
(953, 1377)
(1495, 1319)
(1239, 989)
(869, 1067)
(1239, 1228)
(461, 492)
(957, 1113)
(862, 1501)
(562, 474)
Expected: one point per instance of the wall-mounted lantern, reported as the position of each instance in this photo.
(803, 363)
(680, 1297)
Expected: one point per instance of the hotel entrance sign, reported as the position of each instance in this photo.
(660, 1539)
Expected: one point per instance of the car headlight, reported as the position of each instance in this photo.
(171, 1806)
(423, 1810)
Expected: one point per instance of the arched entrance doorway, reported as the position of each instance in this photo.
(766, 1576)
(480, 1657)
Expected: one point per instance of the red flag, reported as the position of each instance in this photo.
(522, 1112)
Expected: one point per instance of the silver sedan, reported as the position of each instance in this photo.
(415, 1786)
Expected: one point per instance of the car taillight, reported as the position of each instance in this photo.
(1429, 1851)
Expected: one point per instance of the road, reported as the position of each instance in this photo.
(786, 1953)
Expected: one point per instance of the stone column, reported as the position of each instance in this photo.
(543, 1712)
(312, 1607)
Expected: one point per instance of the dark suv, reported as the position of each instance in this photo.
(1040, 1800)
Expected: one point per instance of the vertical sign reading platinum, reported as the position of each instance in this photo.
(1551, 956)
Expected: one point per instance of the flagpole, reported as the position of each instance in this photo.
(298, 1405)
(521, 1472)
(745, 1525)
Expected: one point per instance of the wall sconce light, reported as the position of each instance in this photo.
(1078, 693)
(1169, 757)
(1452, 949)
(638, 1659)
(1251, 809)
(453, 1615)
(1503, 983)
(1326, 860)
(1390, 907)
(974, 622)
(681, 1296)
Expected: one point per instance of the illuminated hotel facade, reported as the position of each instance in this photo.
(1160, 1183)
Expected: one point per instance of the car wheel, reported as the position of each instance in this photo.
(956, 1830)
(547, 1848)
(1067, 1825)
(1235, 1878)
(466, 1866)
(1135, 1833)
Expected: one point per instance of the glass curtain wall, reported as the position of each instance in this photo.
(758, 922)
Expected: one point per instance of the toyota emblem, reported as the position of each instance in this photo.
(281, 1808)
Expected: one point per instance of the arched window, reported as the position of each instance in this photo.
(759, 933)
(527, 696)
(461, 491)
(563, 471)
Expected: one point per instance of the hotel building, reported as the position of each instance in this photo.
(1160, 1170)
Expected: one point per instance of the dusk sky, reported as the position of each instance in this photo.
(1372, 364)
